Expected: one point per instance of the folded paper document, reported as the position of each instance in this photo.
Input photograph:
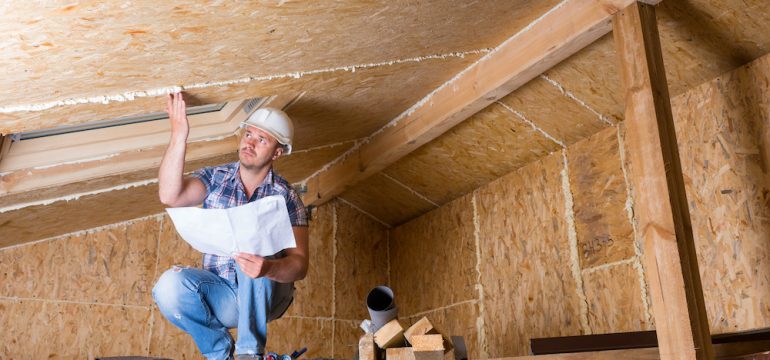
(261, 227)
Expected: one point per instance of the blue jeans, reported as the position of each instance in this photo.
(205, 305)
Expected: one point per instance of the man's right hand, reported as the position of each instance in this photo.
(177, 114)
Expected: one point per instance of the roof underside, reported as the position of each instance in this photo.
(350, 69)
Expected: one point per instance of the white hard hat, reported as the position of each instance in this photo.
(275, 122)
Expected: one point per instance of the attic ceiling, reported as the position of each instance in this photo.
(352, 67)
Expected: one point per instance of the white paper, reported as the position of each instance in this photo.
(261, 227)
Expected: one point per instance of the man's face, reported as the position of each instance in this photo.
(258, 148)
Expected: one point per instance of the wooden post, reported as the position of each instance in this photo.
(671, 267)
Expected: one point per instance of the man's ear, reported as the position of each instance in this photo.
(278, 152)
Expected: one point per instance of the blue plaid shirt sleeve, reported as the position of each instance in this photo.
(297, 211)
(205, 175)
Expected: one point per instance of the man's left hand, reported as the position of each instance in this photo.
(252, 265)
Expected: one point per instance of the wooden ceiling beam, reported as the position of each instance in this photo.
(561, 32)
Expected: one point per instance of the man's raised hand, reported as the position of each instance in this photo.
(177, 115)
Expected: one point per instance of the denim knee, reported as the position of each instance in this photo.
(169, 287)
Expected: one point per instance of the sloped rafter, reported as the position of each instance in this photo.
(561, 32)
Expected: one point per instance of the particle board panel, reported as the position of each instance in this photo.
(69, 49)
(42, 329)
(723, 132)
(484, 147)
(361, 261)
(110, 266)
(352, 105)
(433, 259)
(552, 111)
(458, 320)
(346, 336)
(702, 39)
(173, 250)
(298, 166)
(288, 334)
(314, 294)
(168, 341)
(525, 271)
(614, 299)
(592, 76)
(387, 200)
(598, 186)
(63, 217)
(336, 106)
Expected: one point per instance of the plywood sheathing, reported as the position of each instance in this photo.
(614, 301)
(445, 277)
(47, 329)
(172, 250)
(298, 165)
(288, 334)
(104, 274)
(57, 46)
(604, 233)
(488, 145)
(115, 266)
(701, 39)
(62, 217)
(554, 112)
(386, 199)
(724, 141)
(317, 298)
(525, 258)
(168, 341)
(360, 254)
(239, 41)
(337, 106)
(592, 76)
(346, 336)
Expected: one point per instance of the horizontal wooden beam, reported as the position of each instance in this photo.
(560, 33)
(736, 350)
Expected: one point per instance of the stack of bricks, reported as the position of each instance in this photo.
(421, 341)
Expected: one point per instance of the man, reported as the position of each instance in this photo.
(244, 291)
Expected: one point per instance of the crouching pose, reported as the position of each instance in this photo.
(244, 291)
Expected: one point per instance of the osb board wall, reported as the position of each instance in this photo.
(433, 271)
(87, 294)
(536, 262)
(723, 129)
(563, 228)
(525, 259)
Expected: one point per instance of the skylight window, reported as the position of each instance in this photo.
(121, 121)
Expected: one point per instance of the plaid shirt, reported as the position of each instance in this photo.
(224, 189)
